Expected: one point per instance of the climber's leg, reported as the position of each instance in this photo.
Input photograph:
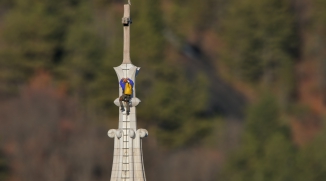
(127, 99)
(121, 104)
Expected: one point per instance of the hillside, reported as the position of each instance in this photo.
(231, 90)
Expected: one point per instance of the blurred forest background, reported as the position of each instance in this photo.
(231, 90)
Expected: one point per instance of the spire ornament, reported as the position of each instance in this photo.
(128, 162)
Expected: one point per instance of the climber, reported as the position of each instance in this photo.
(127, 86)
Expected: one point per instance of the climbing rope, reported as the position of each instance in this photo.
(129, 2)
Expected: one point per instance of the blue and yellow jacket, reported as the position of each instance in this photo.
(122, 84)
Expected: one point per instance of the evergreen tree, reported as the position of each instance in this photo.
(267, 153)
(62, 38)
(172, 100)
(47, 35)
(261, 41)
(59, 37)
(319, 36)
(3, 167)
(312, 160)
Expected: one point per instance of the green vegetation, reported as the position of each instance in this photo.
(262, 41)
(3, 167)
(267, 152)
(62, 38)
(312, 160)
(52, 36)
(262, 47)
(186, 50)
(166, 89)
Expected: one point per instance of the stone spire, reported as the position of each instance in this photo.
(128, 162)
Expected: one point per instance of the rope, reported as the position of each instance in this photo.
(129, 2)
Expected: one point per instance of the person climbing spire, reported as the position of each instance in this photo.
(127, 86)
